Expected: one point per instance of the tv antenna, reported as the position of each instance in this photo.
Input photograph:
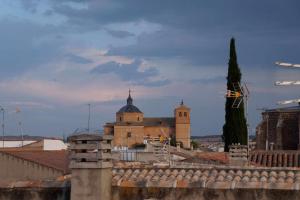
(287, 83)
(240, 93)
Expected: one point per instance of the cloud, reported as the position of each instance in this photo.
(212, 80)
(120, 34)
(131, 73)
(28, 104)
(197, 31)
(26, 45)
(78, 59)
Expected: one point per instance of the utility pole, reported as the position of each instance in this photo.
(3, 126)
(18, 111)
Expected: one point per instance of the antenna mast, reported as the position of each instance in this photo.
(3, 126)
(89, 117)
(240, 94)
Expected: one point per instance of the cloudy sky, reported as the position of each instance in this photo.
(57, 56)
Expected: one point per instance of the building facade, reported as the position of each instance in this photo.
(279, 129)
(132, 128)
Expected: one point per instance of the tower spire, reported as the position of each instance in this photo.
(129, 99)
(182, 102)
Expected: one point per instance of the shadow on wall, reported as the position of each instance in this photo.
(62, 193)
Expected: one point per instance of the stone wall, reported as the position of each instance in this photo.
(202, 194)
(36, 190)
(119, 193)
(128, 135)
(13, 168)
(279, 129)
(35, 193)
(154, 131)
(129, 117)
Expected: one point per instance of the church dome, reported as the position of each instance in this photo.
(129, 107)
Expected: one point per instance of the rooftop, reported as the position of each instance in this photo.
(55, 159)
(208, 177)
(26, 138)
(285, 109)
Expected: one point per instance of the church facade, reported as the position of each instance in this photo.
(132, 128)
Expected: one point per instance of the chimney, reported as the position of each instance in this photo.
(91, 166)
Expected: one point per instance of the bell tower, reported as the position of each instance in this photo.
(183, 125)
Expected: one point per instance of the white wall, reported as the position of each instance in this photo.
(15, 143)
(51, 145)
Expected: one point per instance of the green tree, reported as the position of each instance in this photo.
(235, 127)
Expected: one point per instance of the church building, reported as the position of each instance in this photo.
(132, 128)
(279, 129)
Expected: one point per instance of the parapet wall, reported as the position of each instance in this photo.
(201, 194)
(206, 183)
(34, 193)
(35, 190)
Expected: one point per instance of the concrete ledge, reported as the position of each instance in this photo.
(90, 165)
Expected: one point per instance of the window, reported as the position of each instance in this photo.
(138, 118)
(120, 118)
(180, 114)
(185, 114)
(129, 134)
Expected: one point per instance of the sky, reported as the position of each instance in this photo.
(58, 56)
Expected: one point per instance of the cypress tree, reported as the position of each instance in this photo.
(235, 127)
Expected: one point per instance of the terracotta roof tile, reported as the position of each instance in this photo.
(276, 158)
(209, 158)
(209, 177)
(55, 159)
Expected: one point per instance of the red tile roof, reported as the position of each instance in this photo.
(218, 157)
(275, 158)
(54, 159)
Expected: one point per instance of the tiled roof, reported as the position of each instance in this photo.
(276, 158)
(159, 121)
(208, 177)
(54, 159)
(148, 121)
(205, 157)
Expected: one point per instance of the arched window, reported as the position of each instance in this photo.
(185, 114)
(138, 118)
(120, 118)
(180, 114)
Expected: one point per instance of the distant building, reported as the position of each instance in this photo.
(32, 142)
(47, 145)
(131, 127)
(279, 129)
